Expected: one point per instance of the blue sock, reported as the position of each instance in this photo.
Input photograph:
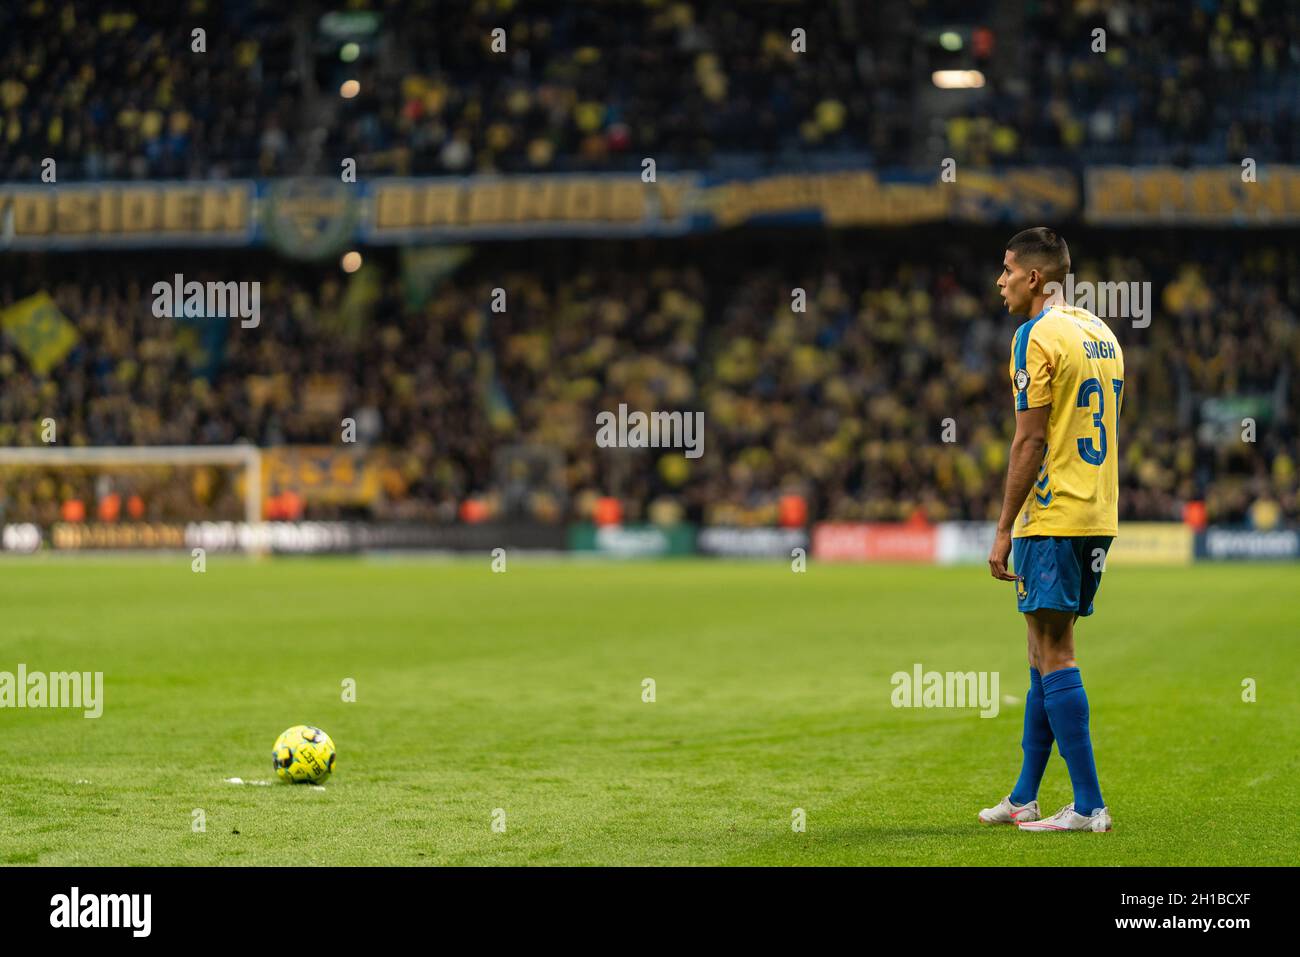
(1036, 742)
(1067, 709)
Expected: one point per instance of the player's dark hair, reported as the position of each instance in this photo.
(1043, 249)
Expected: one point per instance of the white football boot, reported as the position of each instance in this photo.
(1066, 819)
(1007, 813)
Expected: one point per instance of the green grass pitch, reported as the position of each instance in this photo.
(523, 691)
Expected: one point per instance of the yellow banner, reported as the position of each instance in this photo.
(322, 474)
(1152, 543)
(100, 215)
(416, 205)
(1225, 195)
(40, 330)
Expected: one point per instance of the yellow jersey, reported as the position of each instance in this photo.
(1068, 358)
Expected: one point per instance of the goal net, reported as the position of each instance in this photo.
(124, 496)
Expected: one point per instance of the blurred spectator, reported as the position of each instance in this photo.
(835, 413)
(122, 93)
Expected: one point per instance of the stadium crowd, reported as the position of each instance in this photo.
(845, 404)
(119, 92)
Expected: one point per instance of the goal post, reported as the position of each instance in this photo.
(247, 457)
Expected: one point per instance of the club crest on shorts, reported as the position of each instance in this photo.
(1021, 590)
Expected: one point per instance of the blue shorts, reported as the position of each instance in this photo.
(1058, 572)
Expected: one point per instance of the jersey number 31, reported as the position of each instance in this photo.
(1089, 452)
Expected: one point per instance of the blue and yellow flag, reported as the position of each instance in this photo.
(41, 332)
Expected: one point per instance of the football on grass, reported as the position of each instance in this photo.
(303, 755)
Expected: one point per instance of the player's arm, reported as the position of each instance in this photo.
(1025, 459)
